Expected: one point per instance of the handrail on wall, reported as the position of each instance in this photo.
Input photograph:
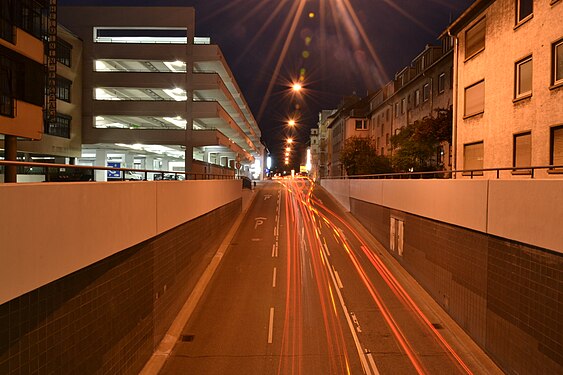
(48, 166)
(523, 171)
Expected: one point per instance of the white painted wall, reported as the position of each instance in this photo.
(528, 211)
(50, 230)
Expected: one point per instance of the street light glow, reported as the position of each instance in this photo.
(290, 140)
(296, 87)
(291, 122)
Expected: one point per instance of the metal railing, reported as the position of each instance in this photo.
(60, 172)
(471, 173)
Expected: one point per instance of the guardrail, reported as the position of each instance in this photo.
(519, 171)
(58, 172)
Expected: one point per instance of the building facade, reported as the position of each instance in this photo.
(22, 75)
(154, 95)
(508, 68)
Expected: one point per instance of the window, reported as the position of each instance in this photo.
(6, 20)
(396, 235)
(475, 39)
(417, 98)
(524, 9)
(6, 92)
(397, 109)
(361, 125)
(522, 150)
(403, 105)
(388, 114)
(556, 148)
(475, 99)
(59, 128)
(442, 83)
(387, 139)
(426, 92)
(31, 17)
(523, 72)
(557, 73)
(64, 52)
(473, 156)
(63, 89)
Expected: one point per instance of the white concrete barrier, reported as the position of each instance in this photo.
(528, 211)
(50, 230)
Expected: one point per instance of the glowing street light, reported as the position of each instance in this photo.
(291, 122)
(296, 87)
(288, 149)
(289, 140)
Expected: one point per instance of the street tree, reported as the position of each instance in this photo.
(417, 144)
(359, 157)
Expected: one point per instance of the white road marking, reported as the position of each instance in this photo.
(273, 250)
(276, 253)
(267, 196)
(274, 278)
(355, 320)
(271, 326)
(372, 363)
(258, 221)
(338, 281)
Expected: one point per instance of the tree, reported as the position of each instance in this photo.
(417, 144)
(359, 157)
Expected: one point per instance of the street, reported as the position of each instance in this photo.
(301, 290)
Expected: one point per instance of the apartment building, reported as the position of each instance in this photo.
(22, 75)
(154, 95)
(62, 137)
(416, 92)
(350, 120)
(508, 67)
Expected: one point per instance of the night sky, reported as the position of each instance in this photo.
(337, 48)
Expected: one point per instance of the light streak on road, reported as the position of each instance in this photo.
(305, 216)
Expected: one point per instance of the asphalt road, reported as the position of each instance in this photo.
(304, 289)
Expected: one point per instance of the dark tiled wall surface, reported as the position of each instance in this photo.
(506, 295)
(108, 317)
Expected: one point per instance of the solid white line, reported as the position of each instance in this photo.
(276, 252)
(274, 278)
(271, 326)
(372, 363)
(273, 250)
(338, 281)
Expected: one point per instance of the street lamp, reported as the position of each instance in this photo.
(291, 122)
(296, 87)
(289, 140)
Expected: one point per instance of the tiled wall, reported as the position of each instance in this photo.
(507, 296)
(108, 317)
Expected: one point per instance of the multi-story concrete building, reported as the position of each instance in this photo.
(154, 95)
(508, 69)
(22, 75)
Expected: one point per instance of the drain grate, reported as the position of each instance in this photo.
(437, 325)
(187, 338)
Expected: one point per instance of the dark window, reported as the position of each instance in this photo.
(6, 88)
(557, 61)
(426, 92)
(523, 73)
(7, 20)
(31, 17)
(556, 149)
(59, 128)
(475, 38)
(524, 8)
(361, 124)
(64, 52)
(417, 98)
(522, 149)
(442, 83)
(63, 89)
(403, 105)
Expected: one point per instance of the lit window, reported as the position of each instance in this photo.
(557, 52)
(475, 39)
(524, 8)
(523, 84)
(522, 150)
(63, 89)
(473, 156)
(475, 99)
(442, 83)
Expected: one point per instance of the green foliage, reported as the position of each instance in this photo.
(358, 155)
(417, 144)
